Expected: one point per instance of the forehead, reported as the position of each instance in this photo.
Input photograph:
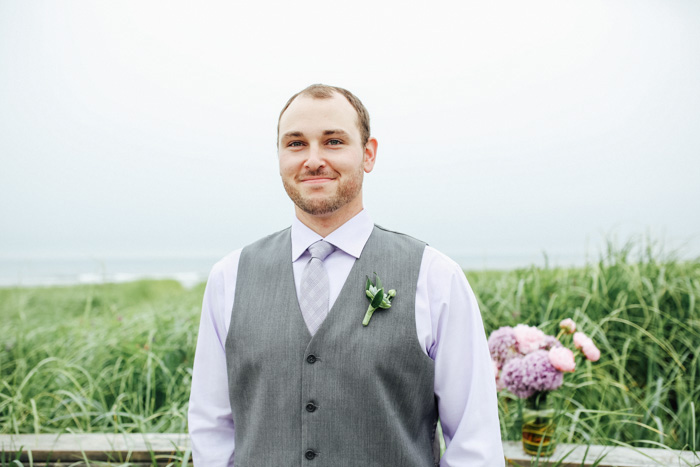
(307, 114)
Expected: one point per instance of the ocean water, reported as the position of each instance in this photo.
(192, 270)
(85, 270)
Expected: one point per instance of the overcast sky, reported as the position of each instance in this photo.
(505, 128)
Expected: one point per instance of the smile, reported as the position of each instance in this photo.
(316, 180)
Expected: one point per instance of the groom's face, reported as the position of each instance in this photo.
(321, 155)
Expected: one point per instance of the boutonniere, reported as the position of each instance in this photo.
(377, 298)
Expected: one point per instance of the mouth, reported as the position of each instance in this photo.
(315, 180)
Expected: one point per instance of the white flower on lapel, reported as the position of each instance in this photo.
(377, 298)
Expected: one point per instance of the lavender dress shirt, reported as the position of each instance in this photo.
(448, 326)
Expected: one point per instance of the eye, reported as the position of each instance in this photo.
(334, 142)
(294, 144)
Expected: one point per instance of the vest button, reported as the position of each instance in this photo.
(310, 455)
(310, 407)
(311, 359)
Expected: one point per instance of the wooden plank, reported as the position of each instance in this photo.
(577, 455)
(136, 449)
(132, 447)
(93, 463)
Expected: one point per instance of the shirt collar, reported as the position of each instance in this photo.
(349, 237)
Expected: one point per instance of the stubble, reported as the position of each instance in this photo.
(347, 190)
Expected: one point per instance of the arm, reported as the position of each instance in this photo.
(464, 383)
(210, 421)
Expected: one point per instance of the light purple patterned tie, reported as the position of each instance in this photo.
(314, 286)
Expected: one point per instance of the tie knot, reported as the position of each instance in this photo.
(321, 249)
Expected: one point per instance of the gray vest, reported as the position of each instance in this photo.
(348, 396)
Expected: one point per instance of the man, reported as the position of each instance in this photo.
(287, 374)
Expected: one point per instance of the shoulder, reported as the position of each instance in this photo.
(269, 242)
(442, 276)
(437, 263)
(434, 262)
(394, 233)
(225, 269)
(399, 238)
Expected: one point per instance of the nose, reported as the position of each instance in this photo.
(314, 158)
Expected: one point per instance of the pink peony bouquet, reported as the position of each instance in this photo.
(527, 361)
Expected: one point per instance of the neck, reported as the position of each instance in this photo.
(326, 224)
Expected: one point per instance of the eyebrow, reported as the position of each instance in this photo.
(299, 134)
(335, 132)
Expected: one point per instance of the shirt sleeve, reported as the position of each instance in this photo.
(209, 417)
(465, 387)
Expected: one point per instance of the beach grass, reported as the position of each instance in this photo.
(118, 357)
(97, 358)
(642, 310)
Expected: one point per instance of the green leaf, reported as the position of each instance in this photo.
(367, 284)
(377, 300)
(379, 282)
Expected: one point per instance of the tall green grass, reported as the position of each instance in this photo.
(97, 358)
(643, 311)
(118, 357)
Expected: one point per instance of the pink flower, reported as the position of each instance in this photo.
(580, 339)
(591, 351)
(528, 338)
(495, 368)
(530, 374)
(568, 325)
(562, 359)
(502, 345)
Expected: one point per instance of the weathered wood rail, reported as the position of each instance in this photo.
(149, 449)
(98, 449)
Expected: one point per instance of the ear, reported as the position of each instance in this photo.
(370, 155)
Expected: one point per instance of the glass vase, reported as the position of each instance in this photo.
(538, 426)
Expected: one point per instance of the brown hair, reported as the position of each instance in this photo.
(323, 91)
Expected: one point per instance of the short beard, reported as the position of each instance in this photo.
(346, 192)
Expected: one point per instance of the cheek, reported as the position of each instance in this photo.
(286, 166)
